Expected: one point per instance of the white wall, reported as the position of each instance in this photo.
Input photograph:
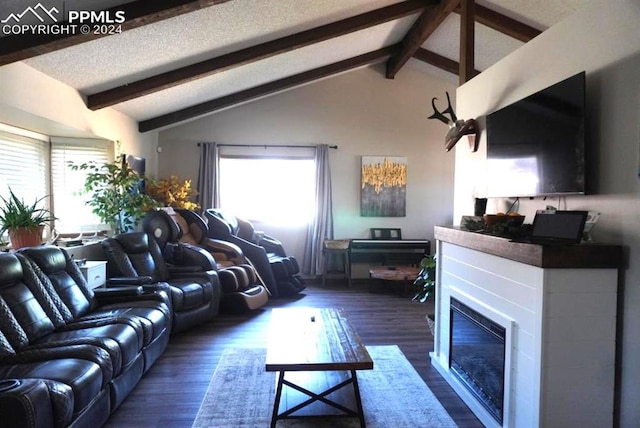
(361, 112)
(604, 40)
(34, 101)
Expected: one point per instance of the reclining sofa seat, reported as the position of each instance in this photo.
(279, 272)
(189, 271)
(151, 315)
(241, 289)
(69, 356)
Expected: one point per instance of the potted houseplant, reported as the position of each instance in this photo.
(426, 283)
(24, 222)
(116, 194)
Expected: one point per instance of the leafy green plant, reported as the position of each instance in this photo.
(16, 213)
(426, 279)
(116, 196)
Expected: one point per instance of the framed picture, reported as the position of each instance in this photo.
(384, 186)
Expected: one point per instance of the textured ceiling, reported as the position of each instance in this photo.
(145, 51)
(189, 38)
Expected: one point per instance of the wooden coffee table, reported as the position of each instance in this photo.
(319, 352)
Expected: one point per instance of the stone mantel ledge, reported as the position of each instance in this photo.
(581, 256)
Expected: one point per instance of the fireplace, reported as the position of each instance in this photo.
(477, 356)
(542, 296)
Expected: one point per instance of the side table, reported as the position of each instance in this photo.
(95, 272)
(338, 247)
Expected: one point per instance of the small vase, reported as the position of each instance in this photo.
(25, 237)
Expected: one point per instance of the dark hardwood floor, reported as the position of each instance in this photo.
(169, 395)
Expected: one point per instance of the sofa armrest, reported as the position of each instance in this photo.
(182, 270)
(182, 254)
(157, 291)
(211, 275)
(123, 291)
(73, 348)
(231, 250)
(129, 281)
(26, 403)
(272, 245)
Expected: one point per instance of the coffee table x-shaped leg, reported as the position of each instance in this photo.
(353, 380)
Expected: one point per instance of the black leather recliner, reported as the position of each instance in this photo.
(241, 288)
(279, 272)
(61, 276)
(189, 271)
(69, 355)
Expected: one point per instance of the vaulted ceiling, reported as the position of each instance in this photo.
(176, 60)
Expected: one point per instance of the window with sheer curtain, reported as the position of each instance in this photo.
(35, 166)
(277, 190)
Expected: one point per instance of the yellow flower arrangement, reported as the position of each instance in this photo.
(173, 193)
(386, 174)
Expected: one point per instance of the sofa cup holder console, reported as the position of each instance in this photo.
(8, 384)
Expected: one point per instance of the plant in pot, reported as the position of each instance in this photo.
(426, 283)
(24, 222)
(116, 194)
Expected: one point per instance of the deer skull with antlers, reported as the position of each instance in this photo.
(457, 127)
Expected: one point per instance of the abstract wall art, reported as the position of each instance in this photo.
(384, 186)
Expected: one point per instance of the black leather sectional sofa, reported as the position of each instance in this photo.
(69, 355)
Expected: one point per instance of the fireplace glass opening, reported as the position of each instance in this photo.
(477, 356)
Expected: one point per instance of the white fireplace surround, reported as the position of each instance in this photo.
(561, 328)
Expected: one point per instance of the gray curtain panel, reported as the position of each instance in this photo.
(321, 227)
(207, 187)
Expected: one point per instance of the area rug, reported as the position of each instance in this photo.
(241, 394)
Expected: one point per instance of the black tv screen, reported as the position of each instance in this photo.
(536, 146)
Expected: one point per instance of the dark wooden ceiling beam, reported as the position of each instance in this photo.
(266, 89)
(439, 61)
(467, 41)
(138, 13)
(424, 26)
(503, 24)
(252, 54)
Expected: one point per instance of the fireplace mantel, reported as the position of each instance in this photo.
(545, 256)
(560, 306)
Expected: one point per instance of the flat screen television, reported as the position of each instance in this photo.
(536, 146)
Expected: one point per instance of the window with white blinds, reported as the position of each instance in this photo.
(36, 166)
(24, 167)
(69, 200)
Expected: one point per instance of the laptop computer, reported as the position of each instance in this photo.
(559, 228)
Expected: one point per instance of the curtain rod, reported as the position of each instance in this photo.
(291, 146)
